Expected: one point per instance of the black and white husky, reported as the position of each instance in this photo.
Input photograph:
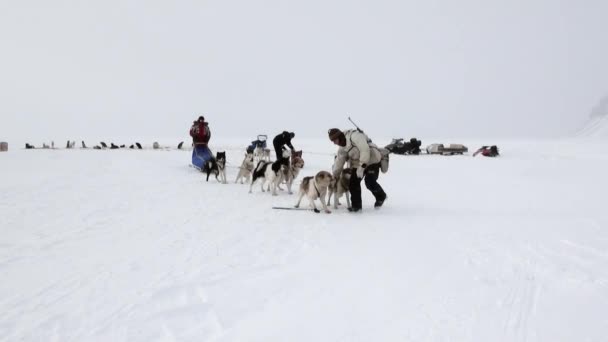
(315, 187)
(271, 173)
(245, 169)
(217, 166)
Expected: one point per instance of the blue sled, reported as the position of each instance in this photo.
(200, 155)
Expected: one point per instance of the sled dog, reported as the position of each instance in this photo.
(339, 187)
(268, 172)
(217, 166)
(315, 187)
(245, 169)
(296, 164)
(261, 153)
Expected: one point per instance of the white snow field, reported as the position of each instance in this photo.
(128, 245)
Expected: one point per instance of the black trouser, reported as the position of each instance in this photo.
(370, 174)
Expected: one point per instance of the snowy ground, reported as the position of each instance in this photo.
(130, 245)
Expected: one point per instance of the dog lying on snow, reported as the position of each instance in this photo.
(217, 166)
(315, 187)
(339, 187)
(245, 169)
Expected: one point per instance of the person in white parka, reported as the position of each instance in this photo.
(364, 159)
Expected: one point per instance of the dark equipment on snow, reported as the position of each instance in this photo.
(398, 146)
(487, 151)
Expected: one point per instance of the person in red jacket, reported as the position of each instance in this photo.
(201, 134)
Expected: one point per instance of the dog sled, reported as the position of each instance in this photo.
(398, 146)
(200, 156)
(258, 148)
(446, 150)
(259, 142)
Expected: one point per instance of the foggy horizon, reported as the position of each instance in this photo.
(127, 69)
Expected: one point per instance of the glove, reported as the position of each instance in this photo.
(360, 171)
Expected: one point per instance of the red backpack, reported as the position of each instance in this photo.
(200, 132)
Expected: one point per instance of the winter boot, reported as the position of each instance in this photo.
(380, 202)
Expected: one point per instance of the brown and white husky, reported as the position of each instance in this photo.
(296, 164)
(339, 187)
(315, 188)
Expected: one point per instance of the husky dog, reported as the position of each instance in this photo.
(217, 166)
(257, 153)
(266, 154)
(269, 172)
(261, 153)
(339, 187)
(296, 164)
(245, 169)
(315, 187)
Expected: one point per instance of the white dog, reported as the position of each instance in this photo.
(315, 187)
(266, 154)
(339, 187)
(261, 153)
(246, 169)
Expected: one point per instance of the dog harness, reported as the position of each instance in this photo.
(317, 189)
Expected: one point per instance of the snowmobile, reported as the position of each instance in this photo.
(398, 146)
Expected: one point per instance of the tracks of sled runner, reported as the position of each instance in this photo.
(145, 250)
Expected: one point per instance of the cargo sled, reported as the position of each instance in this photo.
(446, 150)
(200, 155)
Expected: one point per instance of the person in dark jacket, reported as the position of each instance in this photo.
(281, 140)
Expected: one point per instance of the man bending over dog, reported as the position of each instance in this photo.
(281, 140)
(364, 161)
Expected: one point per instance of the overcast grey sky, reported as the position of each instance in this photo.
(467, 68)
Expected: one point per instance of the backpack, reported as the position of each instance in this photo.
(383, 151)
(200, 132)
(384, 161)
